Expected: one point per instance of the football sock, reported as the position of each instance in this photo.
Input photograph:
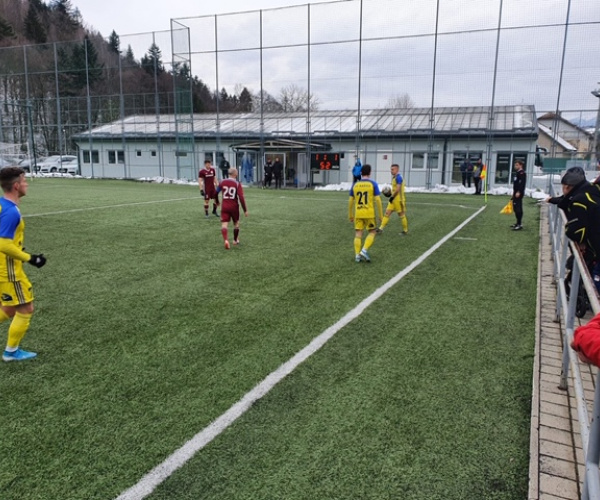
(357, 244)
(224, 233)
(17, 329)
(384, 221)
(236, 233)
(369, 241)
(404, 221)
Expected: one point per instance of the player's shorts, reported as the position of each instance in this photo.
(211, 195)
(368, 224)
(232, 214)
(16, 293)
(396, 205)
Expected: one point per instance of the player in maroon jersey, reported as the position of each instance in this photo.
(207, 181)
(233, 196)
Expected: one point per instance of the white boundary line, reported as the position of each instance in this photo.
(156, 476)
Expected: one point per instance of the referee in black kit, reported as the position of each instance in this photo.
(519, 179)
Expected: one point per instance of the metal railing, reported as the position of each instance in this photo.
(566, 304)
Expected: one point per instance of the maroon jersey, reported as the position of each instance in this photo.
(233, 193)
(209, 175)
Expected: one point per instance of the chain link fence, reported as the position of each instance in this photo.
(357, 58)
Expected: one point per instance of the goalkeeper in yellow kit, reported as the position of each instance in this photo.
(397, 202)
(16, 293)
(364, 195)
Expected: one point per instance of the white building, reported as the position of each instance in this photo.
(149, 146)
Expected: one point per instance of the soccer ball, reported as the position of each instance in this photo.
(386, 191)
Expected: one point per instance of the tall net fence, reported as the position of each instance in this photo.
(292, 83)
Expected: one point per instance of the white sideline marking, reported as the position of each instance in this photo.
(156, 476)
(109, 206)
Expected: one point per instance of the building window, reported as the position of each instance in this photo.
(422, 160)
(181, 153)
(95, 156)
(152, 153)
(116, 157)
(138, 152)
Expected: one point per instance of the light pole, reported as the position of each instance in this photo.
(596, 93)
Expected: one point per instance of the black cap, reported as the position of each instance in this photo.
(573, 176)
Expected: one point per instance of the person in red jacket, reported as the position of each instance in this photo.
(586, 341)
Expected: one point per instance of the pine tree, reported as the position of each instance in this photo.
(152, 62)
(114, 42)
(6, 29)
(245, 101)
(33, 28)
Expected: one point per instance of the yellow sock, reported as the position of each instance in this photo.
(404, 223)
(17, 329)
(384, 221)
(357, 244)
(369, 241)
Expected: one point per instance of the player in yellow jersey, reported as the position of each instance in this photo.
(397, 202)
(16, 294)
(364, 196)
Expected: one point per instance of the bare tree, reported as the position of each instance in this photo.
(269, 103)
(293, 98)
(401, 101)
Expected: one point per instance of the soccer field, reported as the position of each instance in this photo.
(147, 330)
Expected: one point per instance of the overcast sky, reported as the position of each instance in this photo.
(398, 59)
(142, 16)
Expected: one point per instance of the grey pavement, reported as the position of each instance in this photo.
(556, 457)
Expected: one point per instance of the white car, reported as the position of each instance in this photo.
(27, 162)
(69, 167)
(55, 163)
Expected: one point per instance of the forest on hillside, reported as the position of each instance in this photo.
(61, 77)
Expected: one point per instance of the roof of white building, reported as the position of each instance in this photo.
(507, 120)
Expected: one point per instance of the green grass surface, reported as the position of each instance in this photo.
(147, 330)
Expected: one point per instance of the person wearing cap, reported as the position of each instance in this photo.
(581, 203)
(519, 180)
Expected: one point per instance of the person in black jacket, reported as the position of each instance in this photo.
(581, 203)
(278, 173)
(519, 180)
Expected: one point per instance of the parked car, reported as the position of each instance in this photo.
(27, 163)
(54, 163)
(69, 167)
(5, 163)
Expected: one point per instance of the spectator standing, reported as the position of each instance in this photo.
(278, 172)
(477, 169)
(268, 174)
(356, 169)
(224, 165)
(364, 196)
(207, 182)
(466, 171)
(16, 291)
(233, 197)
(519, 181)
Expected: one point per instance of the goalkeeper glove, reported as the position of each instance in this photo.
(37, 260)
(202, 192)
(391, 199)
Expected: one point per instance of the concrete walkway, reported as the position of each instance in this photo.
(556, 464)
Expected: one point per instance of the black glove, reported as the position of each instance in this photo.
(391, 199)
(202, 192)
(37, 260)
